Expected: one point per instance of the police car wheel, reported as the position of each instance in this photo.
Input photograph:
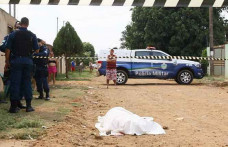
(185, 77)
(122, 77)
(176, 79)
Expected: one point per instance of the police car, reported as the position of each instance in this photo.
(182, 71)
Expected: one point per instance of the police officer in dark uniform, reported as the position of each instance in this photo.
(6, 78)
(4, 41)
(20, 46)
(41, 70)
(3, 45)
(6, 72)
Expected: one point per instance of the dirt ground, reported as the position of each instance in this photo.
(196, 115)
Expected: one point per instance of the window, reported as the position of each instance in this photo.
(155, 53)
(158, 54)
(143, 53)
(150, 53)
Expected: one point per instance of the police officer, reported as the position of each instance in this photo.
(7, 71)
(3, 45)
(5, 78)
(20, 45)
(4, 41)
(41, 71)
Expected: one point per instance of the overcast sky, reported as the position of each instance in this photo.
(101, 26)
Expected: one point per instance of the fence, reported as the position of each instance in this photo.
(220, 67)
(61, 66)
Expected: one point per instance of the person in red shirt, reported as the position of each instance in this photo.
(111, 67)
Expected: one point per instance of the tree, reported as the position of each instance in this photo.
(177, 31)
(67, 42)
(88, 51)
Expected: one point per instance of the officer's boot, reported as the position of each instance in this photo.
(19, 105)
(13, 107)
(47, 96)
(41, 95)
(28, 106)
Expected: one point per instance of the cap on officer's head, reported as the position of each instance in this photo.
(39, 40)
(25, 21)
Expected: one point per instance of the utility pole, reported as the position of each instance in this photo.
(211, 35)
(57, 25)
(10, 9)
(63, 23)
(14, 10)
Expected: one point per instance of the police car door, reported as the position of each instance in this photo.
(162, 68)
(141, 67)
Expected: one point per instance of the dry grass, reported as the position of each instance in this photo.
(32, 125)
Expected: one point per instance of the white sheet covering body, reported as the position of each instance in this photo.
(118, 121)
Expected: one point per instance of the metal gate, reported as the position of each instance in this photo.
(219, 66)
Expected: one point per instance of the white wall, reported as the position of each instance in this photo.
(61, 66)
(226, 62)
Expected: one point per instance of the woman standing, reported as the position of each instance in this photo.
(81, 66)
(52, 67)
(111, 67)
(90, 67)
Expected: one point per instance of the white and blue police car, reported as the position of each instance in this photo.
(182, 71)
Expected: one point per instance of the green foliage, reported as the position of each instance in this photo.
(28, 134)
(67, 41)
(25, 125)
(204, 54)
(6, 120)
(177, 31)
(74, 76)
(204, 63)
(12, 121)
(88, 51)
(28, 123)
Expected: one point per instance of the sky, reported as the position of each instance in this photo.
(101, 26)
